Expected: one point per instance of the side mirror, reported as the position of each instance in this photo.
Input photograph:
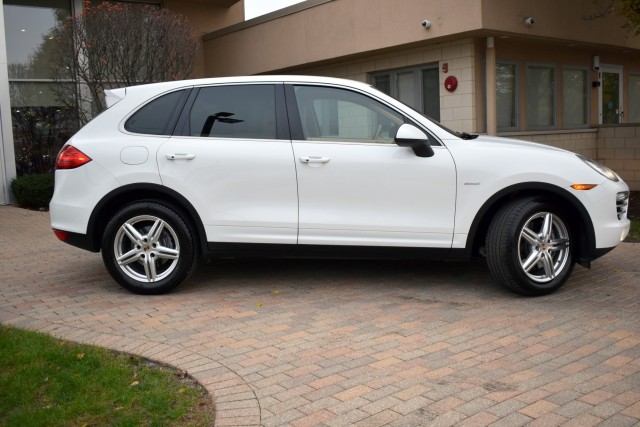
(410, 136)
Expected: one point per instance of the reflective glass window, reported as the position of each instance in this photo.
(244, 111)
(331, 114)
(575, 97)
(29, 34)
(417, 87)
(41, 123)
(158, 116)
(634, 98)
(506, 96)
(541, 96)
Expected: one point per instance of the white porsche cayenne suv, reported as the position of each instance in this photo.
(285, 166)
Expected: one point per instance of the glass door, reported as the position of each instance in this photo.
(610, 94)
(418, 87)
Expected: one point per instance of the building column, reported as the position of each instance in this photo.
(7, 152)
(490, 85)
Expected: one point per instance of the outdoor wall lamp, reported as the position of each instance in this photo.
(426, 24)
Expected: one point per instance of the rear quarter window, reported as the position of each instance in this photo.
(159, 116)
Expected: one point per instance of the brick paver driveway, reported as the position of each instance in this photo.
(351, 342)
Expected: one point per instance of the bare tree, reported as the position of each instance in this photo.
(115, 45)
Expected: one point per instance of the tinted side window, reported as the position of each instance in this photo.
(336, 114)
(247, 111)
(156, 117)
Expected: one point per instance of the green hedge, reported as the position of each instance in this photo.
(33, 191)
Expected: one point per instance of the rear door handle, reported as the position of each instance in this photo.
(181, 156)
(314, 159)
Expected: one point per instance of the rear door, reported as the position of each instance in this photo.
(233, 161)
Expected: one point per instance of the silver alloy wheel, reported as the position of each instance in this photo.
(543, 247)
(146, 248)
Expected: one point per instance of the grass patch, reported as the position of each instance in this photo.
(634, 232)
(634, 215)
(49, 382)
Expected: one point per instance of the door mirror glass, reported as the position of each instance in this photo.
(410, 136)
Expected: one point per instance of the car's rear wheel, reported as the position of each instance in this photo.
(529, 247)
(148, 248)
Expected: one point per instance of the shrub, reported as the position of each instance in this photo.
(33, 191)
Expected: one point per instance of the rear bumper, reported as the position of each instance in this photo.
(81, 241)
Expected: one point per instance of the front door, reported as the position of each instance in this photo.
(610, 94)
(356, 186)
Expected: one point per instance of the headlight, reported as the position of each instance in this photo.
(600, 168)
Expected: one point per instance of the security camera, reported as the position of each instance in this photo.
(426, 24)
(529, 21)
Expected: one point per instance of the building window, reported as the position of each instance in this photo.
(634, 98)
(41, 124)
(507, 96)
(575, 99)
(418, 87)
(541, 96)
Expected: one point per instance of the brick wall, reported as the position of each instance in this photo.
(584, 142)
(619, 148)
(616, 146)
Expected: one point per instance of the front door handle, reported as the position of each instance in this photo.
(181, 156)
(314, 159)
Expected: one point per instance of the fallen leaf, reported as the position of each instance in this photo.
(134, 383)
(276, 292)
(80, 356)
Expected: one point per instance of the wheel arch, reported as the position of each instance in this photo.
(122, 196)
(585, 233)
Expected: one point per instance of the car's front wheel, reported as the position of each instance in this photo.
(148, 248)
(529, 247)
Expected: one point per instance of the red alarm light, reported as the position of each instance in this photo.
(450, 83)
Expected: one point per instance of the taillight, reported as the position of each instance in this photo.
(62, 235)
(70, 158)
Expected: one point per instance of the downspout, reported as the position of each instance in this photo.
(490, 85)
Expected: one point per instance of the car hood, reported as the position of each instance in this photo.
(513, 143)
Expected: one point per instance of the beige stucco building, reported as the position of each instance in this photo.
(547, 71)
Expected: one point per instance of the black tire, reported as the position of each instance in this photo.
(155, 247)
(530, 247)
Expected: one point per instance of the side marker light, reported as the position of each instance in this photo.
(583, 187)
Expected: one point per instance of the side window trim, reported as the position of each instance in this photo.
(183, 127)
(282, 121)
(295, 123)
(178, 111)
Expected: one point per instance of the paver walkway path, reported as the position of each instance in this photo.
(351, 342)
